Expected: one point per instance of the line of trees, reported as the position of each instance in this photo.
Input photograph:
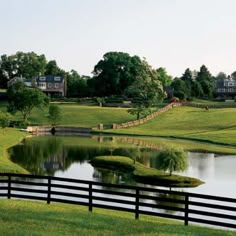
(117, 73)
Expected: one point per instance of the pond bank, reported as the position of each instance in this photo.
(8, 138)
(57, 129)
(144, 174)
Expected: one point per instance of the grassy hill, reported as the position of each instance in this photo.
(37, 218)
(79, 115)
(216, 125)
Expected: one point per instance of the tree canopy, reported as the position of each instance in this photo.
(147, 90)
(115, 72)
(27, 65)
(172, 159)
(164, 77)
(205, 78)
(24, 99)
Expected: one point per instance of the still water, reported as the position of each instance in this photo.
(70, 157)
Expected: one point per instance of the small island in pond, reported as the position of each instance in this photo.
(144, 174)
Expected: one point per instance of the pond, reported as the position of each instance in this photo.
(66, 156)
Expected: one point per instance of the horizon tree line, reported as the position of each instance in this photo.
(116, 74)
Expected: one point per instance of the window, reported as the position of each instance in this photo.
(56, 85)
(49, 85)
(43, 78)
(42, 85)
(57, 78)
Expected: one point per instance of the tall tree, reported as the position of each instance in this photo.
(187, 77)
(164, 77)
(29, 64)
(197, 90)
(221, 76)
(180, 89)
(77, 85)
(205, 78)
(147, 90)
(115, 72)
(52, 68)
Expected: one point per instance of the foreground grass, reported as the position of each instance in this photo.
(8, 138)
(215, 125)
(144, 174)
(37, 218)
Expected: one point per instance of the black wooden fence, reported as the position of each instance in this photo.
(189, 207)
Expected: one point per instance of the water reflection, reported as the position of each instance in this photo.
(47, 155)
(70, 156)
(165, 200)
(202, 165)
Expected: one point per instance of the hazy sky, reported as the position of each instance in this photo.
(175, 34)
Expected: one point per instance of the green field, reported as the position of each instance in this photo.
(37, 218)
(81, 116)
(215, 125)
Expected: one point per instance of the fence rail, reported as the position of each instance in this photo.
(188, 207)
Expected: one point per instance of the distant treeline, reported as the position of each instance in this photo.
(116, 74)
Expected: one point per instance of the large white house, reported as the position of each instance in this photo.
(54, 86)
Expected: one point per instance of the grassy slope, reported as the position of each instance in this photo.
(36, 218)
(217, 125)
(9, 137)
(84, 116)
(78, 115)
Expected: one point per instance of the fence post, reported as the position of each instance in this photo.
(49, 190)
(186, 210)
(90, 197)
(137, 204)
(9, 187)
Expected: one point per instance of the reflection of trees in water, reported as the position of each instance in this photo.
(114, 177)
(202, 164)
(48, 154)
(32, 155)
(163, 201)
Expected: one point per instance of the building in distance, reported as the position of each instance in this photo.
(53, 86)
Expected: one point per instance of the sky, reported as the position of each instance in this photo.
(174, 34)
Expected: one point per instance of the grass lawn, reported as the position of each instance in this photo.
(216, 125)
(82, 116)
(37, 218)
(8, 138)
